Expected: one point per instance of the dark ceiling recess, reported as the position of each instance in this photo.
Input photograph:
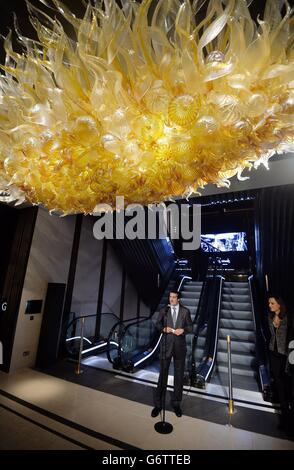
(7, 8)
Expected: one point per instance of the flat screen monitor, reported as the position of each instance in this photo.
(231, 241)
(33, 306)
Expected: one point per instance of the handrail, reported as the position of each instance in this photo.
(231, 399)
(149, 318)
(199, 307)
(120, 324)
(76, 319)
(78, 369)
(126, 327)
(200, 325)
(141, 319)
(260, 345)
(217, 327)
(250, 281)
(181, 282)
(126, 320)
(94, 344)
(150, 353)
(202, 373)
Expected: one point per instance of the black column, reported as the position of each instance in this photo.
(14, 278)
(71, 279)
(101, 289)
(274, 237)
(122, 294)
(138, 306)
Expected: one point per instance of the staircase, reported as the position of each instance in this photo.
(236, 320)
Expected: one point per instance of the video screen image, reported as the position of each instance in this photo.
(232, 241)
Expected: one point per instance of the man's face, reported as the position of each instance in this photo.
(173, 298)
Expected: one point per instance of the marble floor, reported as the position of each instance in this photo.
(41, 411)
(216, 391)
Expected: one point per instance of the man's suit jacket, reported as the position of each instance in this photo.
(171, 342)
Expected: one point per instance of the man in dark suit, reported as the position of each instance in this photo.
(174, 321)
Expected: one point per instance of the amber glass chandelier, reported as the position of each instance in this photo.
(146, 100)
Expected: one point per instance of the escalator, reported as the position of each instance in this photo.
(240, 320)
(191, 297)
(236, 320)
(139, 341)
(81, 334)
(205, 336)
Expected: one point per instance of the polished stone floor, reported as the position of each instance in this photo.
(46, 411)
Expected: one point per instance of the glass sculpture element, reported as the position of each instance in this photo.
(148, 100)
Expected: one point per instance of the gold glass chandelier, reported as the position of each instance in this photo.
(146, 100)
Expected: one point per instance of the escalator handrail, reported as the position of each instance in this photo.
(76, 319)
(257, 322)
(197, 317)
(150, 317)
(184, 278)
(201, 323)
(205, 283)
(127, 327)
(120, 324)
(260, 345)
(93, 345)
(204, 370)
(216, 328)
(137, 320)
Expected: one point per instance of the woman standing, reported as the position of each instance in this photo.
(280, 334)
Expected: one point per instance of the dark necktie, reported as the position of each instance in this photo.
(174, 316)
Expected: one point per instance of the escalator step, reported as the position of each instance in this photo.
(237, 314)
(236, 305)
(236, 298)
(236, 334)
(235, 284)
(190, 295)
(236, 369)
(237, 358)
(236, 324)
(235, 290)
(237, 346)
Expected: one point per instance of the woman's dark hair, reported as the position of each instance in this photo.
(283, 308)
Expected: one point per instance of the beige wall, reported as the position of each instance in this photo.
(86, 285)
(48, 262)
(113, 280)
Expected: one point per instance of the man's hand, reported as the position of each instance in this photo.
(179, 331)
(168, 329)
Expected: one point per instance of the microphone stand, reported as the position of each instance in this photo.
(162, 426)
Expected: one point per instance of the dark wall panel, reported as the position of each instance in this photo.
(25, 220)
(275, 240)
